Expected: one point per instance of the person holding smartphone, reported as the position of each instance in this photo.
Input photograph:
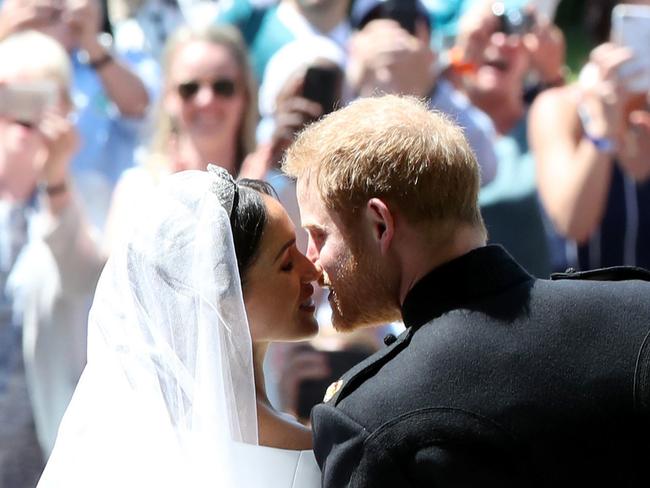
(42, 342)
(110, 96)
(502, 56)
(391, 52)
(591, 142)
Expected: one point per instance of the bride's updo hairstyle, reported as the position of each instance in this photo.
(248, 220)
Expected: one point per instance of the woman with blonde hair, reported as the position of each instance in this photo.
(207, 113)
(209, 102)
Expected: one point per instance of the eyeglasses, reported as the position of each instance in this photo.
(222, 87)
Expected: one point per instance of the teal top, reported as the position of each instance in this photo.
(263, 31)
(510, 205)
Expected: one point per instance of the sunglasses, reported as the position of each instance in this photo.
(223, 87)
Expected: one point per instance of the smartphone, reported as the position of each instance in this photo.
(26, 102)
(311, 392)
(631, 28)
(323, 85)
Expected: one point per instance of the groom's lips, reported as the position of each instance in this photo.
(324, 280)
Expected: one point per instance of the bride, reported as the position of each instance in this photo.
(173, 393)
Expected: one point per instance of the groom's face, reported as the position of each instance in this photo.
(358, 294)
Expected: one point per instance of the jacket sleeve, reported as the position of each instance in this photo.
(406, 452)
(78, 256)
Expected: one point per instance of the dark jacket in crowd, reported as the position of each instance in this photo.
(500, 380)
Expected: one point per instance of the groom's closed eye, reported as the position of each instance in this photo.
(317, 236)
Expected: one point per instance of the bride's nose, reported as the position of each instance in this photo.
(311, 271)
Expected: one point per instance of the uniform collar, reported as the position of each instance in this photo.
(461, 281)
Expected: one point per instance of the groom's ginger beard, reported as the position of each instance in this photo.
(361, 295)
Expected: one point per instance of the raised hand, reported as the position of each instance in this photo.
(61, 141)
(84, 17)
(546, 47)
(17, 15)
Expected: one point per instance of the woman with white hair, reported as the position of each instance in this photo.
(42, 323)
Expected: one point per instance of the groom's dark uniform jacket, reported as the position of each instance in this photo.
(500, 380)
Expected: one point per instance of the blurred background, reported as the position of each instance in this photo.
(100, 99)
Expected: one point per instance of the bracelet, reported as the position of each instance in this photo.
(101, 62)
(53, 190)
(604, 145)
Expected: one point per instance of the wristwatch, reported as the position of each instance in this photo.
(105, 40)
(53, 190)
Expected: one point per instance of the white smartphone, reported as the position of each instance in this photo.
(26, 102)
(631, 28)
(545, 8)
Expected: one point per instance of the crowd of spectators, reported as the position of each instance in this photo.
(100, 100)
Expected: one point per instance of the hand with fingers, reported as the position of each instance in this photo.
(84, 17)
(302, 363)
(386, 58)
(610, 111)
(18, 15)
(292, 112)
(61, 141)
(546, 47)
(634, 157)
(474, 32)
(603, 94)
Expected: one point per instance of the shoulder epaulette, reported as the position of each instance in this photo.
(614, 273)
(359, 373)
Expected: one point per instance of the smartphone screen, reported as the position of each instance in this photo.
(26, 102)
(631, 28)
(323, 85)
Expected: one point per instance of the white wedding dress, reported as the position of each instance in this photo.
(267, 467)
(167, 399)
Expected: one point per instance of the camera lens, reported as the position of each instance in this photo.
(512, 21)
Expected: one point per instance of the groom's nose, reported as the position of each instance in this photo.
(312, 251)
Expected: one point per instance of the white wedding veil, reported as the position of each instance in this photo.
(169, 382)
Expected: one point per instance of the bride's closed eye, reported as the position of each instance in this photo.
(288, 266)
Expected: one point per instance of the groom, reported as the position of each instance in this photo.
(500, 379)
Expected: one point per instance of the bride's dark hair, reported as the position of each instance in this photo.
(248, 220)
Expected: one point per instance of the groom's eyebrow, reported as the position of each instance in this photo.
(287, 245)
(314, 228)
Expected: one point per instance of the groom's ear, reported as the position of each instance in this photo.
(381, 222)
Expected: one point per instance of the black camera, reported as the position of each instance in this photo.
(513, 21)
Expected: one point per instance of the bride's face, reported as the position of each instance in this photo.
(278, 291)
